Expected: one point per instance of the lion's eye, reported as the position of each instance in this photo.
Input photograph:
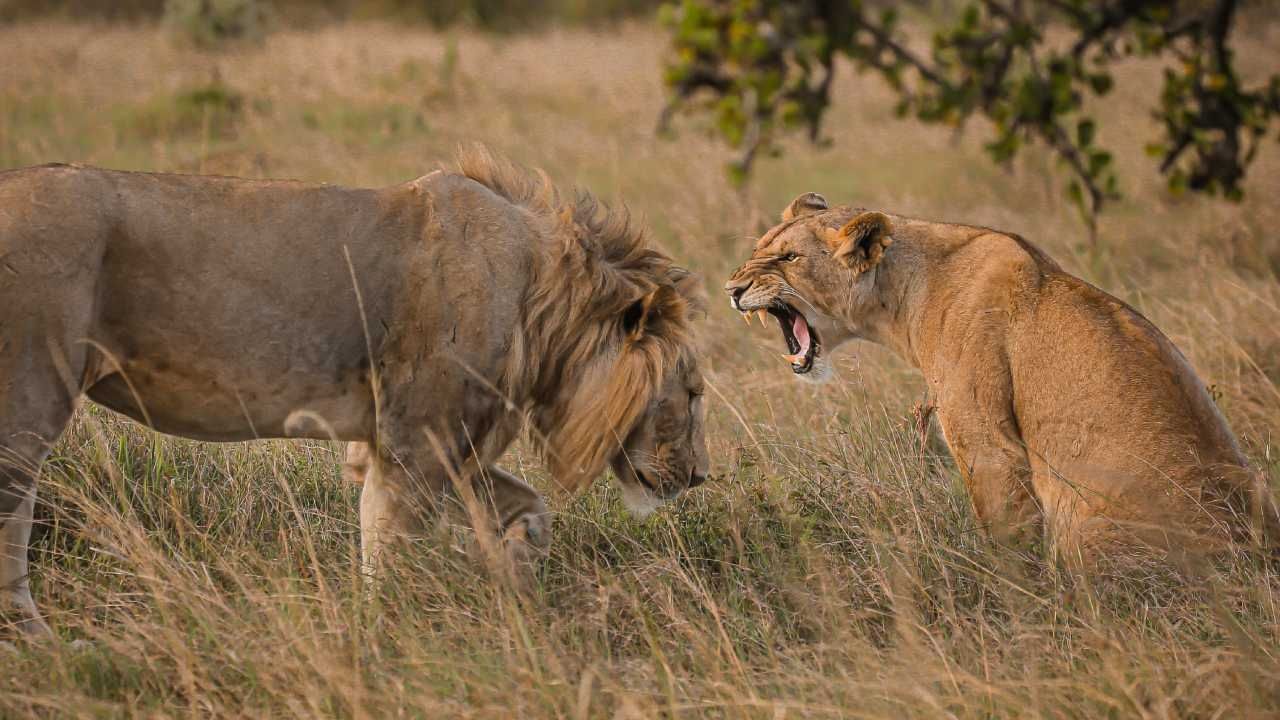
(790, 257)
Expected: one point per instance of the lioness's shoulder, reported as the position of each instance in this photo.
(1011, 248)
(979, 256)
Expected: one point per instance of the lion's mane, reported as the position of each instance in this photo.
(596, 265)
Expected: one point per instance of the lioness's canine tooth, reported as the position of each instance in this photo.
(746, 318)
(762, 315)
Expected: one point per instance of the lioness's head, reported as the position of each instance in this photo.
(812, 273)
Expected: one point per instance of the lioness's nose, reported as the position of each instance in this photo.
(736, 287)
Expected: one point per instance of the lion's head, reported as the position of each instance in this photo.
(813, 273)
(606, 357)
(633, 402)
(666, 451)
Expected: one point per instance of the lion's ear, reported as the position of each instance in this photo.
(809, 202)
(654, 313)
(861, 242)
(689, 286)
(633, 318)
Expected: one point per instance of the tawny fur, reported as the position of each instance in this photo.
(425, 320)
(598, 266)
(1067, 411)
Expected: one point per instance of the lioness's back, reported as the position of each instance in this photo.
(1105, 400)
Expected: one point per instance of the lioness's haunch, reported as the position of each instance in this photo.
(1067, 412)
(426, 319)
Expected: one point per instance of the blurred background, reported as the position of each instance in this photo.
(834, 569)
(483, 14)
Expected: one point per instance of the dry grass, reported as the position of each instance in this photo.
(833, 571)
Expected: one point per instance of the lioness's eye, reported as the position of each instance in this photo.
(790, 257)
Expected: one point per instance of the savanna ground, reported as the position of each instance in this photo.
(832, 570)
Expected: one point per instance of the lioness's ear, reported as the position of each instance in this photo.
(861, 242)
(803, 205)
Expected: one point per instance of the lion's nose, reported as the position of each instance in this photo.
(736, 287)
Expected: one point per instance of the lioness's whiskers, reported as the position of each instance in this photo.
(788, 290)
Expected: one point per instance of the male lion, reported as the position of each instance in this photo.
(1067, 411)
(427, 319)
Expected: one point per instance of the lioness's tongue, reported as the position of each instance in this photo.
(800, 329)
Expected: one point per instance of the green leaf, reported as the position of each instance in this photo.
(1085, 130)
(1076, 194)
(888, 17)
(667, 14)
(1098, 161)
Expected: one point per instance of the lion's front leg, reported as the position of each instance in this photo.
(521, 518)
(15, 590)
(394, 504)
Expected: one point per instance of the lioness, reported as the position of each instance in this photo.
(1066, 410)
(426, 319)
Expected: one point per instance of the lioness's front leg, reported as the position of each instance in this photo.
(983, 438)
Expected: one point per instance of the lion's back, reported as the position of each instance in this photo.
(46, 202)
(55, 224)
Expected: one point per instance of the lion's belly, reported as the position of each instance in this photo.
(203, 409)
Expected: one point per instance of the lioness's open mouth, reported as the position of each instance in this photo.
(801, 338)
